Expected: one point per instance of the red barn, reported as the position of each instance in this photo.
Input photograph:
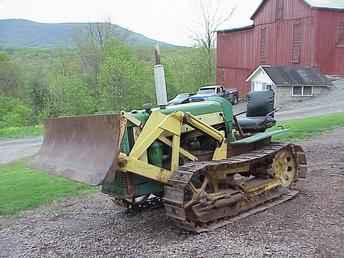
(284, 32)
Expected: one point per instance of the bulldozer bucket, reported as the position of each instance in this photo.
(83, 148)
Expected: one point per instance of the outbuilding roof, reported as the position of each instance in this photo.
(290, 75)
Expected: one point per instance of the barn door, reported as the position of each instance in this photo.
(340, 34)
(297, 43)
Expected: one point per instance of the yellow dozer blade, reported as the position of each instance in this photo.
(83, 148)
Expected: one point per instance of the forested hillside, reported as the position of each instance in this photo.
(18, 33)
(101, 74)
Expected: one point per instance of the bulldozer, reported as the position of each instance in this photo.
(205, 165)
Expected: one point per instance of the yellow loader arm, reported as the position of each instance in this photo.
(160, 127)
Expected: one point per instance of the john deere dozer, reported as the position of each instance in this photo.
(205, 165)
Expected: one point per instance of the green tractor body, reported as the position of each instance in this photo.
(217, 110)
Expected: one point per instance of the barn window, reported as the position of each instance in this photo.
(340, 34)
(263, 46)
(297, 43)
(302, 91)
(279, 9)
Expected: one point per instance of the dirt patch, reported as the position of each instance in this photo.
(311, 225)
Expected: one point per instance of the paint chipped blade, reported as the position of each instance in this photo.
(83, 149)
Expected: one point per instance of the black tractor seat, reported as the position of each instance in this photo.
(256, 124)
(259, 115)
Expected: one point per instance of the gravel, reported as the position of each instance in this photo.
(332, 102)
(311, 225)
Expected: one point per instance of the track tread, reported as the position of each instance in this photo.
(174, 194)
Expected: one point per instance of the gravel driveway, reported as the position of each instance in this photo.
(11, 150)
(311, 225)
(333, 102)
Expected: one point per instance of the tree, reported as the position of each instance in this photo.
(13, 112)
(90, 42)
(185, 69)
(38, 92)
(68, 92)
(77, 100)
(10, 77)
(212, 17)
(126, 82)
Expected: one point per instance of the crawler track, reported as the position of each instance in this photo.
(236, 201)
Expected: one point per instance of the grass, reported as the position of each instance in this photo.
(21, 132)
(22, 188)
(309, 127)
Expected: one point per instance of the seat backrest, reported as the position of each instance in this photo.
(260, 103)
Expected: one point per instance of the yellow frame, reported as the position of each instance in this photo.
(160, 127)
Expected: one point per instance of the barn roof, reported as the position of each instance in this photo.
(336, 5)
(332, 4)
(290, 75)
(233, 29)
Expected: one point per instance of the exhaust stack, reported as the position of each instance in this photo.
(160, 82)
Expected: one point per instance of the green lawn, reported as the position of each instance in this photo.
(308, 127)
(21, 132)
(23, 188)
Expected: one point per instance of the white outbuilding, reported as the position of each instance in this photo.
(289, 83)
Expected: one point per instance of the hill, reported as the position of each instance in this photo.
(18, 33)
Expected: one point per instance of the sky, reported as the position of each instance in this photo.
(172, 21)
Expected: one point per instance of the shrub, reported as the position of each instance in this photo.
(13, 112)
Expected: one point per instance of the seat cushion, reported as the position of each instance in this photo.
(260, 103)
(256, 123)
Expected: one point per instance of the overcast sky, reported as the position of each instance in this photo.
(173, 21)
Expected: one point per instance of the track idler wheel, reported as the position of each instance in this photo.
(284, 167)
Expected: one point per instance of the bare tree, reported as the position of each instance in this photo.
(90, 40)
(212, 17)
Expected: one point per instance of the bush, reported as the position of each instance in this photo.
(13, 113)
(21, 132)
(77, 99)
(126, 82)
